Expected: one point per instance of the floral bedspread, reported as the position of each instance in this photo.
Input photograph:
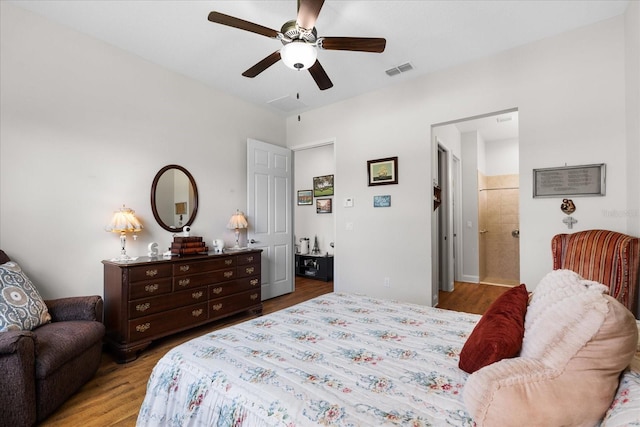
(339, 360)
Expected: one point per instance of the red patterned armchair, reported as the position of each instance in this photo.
(607, 257)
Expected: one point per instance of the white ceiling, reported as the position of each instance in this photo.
(431, 35)
(494, 127)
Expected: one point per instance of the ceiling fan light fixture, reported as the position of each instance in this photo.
(298, 55)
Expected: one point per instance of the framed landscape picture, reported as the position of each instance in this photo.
(323, 186)
(383, 171)
(305, 197)
(323, 206)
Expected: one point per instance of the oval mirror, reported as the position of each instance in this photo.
(174, 198)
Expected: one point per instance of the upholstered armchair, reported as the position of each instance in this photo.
(607, 257)
(41, 368)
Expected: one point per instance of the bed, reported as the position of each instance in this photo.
(338, 359)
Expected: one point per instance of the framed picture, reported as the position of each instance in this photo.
(323, 206)
(381, 201)
(383, 171)
(181, 208)
(566, 181)
(305, 197)
(323, 186)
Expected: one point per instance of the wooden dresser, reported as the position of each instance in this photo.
(151, 298)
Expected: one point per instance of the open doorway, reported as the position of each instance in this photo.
(481, 207)
(313, 229)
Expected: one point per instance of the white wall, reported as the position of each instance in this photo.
(84, 128)
(632, 56)
(308, 163)
(471, 163)
(570, 94)
(87, 126)
(502, 157)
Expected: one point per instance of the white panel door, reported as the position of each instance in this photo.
(269, 205)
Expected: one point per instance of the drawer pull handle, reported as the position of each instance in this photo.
(217, 290)
(184, 268)
(184, 282)
(152, 288)
(250, 270)
(143, 307)
(217, 307)
(254, 297)
(152, 273)
(196, 295)
(249, 258)
(143, 328)
(197, 313)
(228, 274)
(228, 261)
(254, 282)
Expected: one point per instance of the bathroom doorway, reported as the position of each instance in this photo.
(487, 215)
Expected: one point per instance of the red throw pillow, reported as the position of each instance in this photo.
(498, 335)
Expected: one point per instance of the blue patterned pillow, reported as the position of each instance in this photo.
(21, 306)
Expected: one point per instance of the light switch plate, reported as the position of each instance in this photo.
(348, 202)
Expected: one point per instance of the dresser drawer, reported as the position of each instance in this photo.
(149, 289)
(243, 259)
(197, 280)
(149, 272)
(248, 270)
(144, 307)
(233, 287)
(237, 302)
(157, 324)
(190, 267)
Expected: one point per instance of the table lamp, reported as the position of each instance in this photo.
(237, 222)
(124, 221)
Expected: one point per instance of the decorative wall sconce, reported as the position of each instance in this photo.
(568, 207)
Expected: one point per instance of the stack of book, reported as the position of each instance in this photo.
(191, 245)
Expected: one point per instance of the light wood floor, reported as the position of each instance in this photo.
(113, 397)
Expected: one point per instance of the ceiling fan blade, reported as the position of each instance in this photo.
(308, 11)
(263, 65)
(320, 76)
(358, 44)
(221, 18)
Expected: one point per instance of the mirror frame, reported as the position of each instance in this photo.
(153, 198)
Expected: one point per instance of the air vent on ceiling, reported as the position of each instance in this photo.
(287, 103)
(402, 68)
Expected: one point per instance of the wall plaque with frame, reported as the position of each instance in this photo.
(323, 186)
(323, 206)
(305, 197)
(570, 181)
(383, 171)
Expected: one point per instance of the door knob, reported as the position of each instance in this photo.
(516, 233)
(252, 241)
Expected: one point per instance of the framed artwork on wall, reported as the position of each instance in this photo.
(305, 197)
(323, 206)
(381, 201)
(323, 186)
(383, 171)
(570, 181)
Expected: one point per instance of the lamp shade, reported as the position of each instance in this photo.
(124, 221)
(237, 221)
(298, 55)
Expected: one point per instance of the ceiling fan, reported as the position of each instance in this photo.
(300, 42)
